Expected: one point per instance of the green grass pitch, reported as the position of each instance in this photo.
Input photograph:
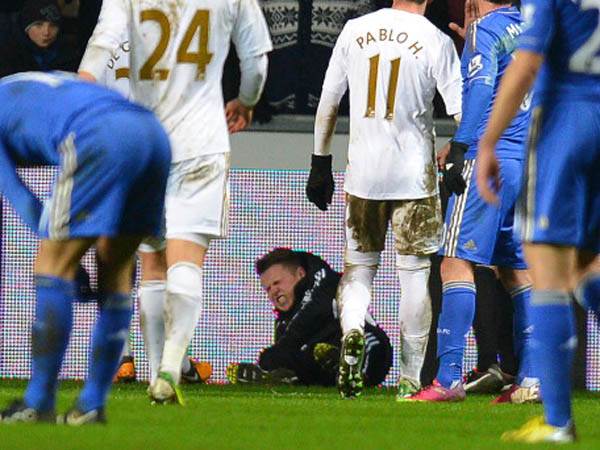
(240, 417)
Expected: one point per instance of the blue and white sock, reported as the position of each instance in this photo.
(49, 339)
(110, 333)
(458, 311)
(588, 293)
(553, 344)
(521, 298)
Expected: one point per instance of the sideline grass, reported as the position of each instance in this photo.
(238, 417)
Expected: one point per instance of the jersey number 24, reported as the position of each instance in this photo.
(200, 24)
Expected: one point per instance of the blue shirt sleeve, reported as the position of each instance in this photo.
(22, 199)
(480, 69)
(538, 25)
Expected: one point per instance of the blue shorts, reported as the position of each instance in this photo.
(112, 178)
(561, 199)
(482, 233)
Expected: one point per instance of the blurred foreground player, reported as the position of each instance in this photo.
(177, 52)
(392, 61)
(302, 289)
(109, 193)
(562, 190)
(475, 232)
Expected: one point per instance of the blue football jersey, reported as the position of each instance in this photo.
(31, 131)
(567, 32)
(488, 50)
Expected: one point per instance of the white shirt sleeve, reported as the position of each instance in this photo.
(336, 77)
(449, 80)
(107, 36)
(250, 33)
(325, 121)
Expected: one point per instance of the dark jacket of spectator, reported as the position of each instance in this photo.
(313, 320)
(21, 53)
(304, 34)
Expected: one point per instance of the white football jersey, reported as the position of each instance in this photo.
(178, 49)
(393, 61)
(116, 74)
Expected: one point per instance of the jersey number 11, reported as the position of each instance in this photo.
(392, 86)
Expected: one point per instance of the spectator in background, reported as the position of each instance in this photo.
(8, 13)
(302, 289)
(36, 44)
(303, 35)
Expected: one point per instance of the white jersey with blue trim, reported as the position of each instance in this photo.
(392, 61)
(178, 50)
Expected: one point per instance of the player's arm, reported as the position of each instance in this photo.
(320, 184)
(238, 112)
(252, 42)
(22, 199)
(516, 83)
(477, 94)
(539, 29)
(112, 23)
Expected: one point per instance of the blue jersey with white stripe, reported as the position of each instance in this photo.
(38, 111)
(31, 131)
(488, 50)
(567, 33)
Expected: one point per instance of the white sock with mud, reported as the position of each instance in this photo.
(183, 309)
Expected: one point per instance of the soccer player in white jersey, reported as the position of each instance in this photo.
(176, 62)
(116, 72)
(392, 61)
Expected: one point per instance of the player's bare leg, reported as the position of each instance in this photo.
(554, 339)
(456, 317)
(185, 260)
(115, 257)
(586, 282)
(526, 389)
(55, 268)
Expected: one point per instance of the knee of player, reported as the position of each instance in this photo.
(513, 278)
(185, 278)
(456, 269)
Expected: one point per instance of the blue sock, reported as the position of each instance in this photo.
(110, 332)
(521, 298)
(49, 339)
(553, 344)
(458, 311)
(588, 293)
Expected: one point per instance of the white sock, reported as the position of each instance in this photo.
(414, 314)
(354, 296)
(152, 321)
(183, 308)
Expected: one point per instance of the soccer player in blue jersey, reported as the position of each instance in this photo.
(560, 47)
(113, 159)
(475, 232)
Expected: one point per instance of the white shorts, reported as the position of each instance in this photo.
(197, 200)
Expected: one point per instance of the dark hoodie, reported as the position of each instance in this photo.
(311, 319)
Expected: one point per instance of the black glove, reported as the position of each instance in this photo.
(455, 162)
(83, 289)
(320, 184)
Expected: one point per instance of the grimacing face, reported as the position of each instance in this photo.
(279, 282)
(43, 33)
